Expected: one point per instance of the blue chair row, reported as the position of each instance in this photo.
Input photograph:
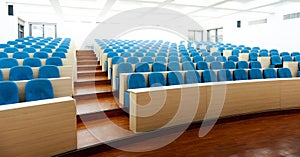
(42, 55)
(38, 89)
(18, 73)
(32, 62)
(33, 50)
(176, 78)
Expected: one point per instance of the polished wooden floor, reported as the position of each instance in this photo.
(273, 136)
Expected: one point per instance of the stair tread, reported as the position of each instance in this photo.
(92, 89)
(94, 132)
(89, 79)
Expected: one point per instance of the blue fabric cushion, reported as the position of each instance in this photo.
(136, 81)
(8, 93)
(142, 67)
(59, 54)
(224, 75)
(117, 60)
(192, 77)
(156, 80)
(216, 65)
(18, 73)
(175, 78)
(198, 59)
(255, 74)
(42, 55)
(229, 65)
(255, 65)
(133, 60)
(147, 59)
(188, 65)
(157, 66)
(174, 66)
(202, 66)
(38, 89)
(3, 55)
(125, 68)
(269, 73)
(8, 62)
(54, 61)
(242, 65)
(240, 74)
(284, 73)
(20, 55)
(49, 71)
(209, 76)
(233, 58)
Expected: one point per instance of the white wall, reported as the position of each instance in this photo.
(9, 24)
(276, 34)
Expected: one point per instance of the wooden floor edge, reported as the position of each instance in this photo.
(102, 147)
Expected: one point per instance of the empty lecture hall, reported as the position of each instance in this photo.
(147, 78)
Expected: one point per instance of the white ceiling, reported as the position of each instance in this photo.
(99, 10)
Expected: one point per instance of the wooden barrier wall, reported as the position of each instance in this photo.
(241, 97)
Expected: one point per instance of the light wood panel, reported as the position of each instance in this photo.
(293, 66)
(38, 128)
(264, 61)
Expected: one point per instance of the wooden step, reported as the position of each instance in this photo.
(84, 97)
(88, 67)
(87, 58)
(97, 104)
(85, 52)
(88, 62)
(92, 89)
(90, 74)
(103, 130)
(92, 82)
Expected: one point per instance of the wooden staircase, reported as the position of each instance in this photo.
(95, 102)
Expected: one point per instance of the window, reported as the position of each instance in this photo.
(215, 35)
(195, 35)
(42, 30)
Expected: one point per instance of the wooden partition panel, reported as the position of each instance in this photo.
(157, 108)
(293, 66)
(264, 61)
(39, 128)
(239, 97)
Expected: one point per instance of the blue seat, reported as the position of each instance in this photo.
(29, 50)
(142, 67)
(297, 58)
(174, 66)
(117, 60)
(126, 55)
(233, 58)
(59, 54)
(162, 54)
(216, 65)
(216, 54)
(287, 58)
(54, 61)
(150, 54)
(295, 54)
(224, 75)
(276, 62)
(174, 54)
(235, 52)
(10, 50)
(3, 55)
(240, 74)
(198, 59)
(20, 55)
(221, 59)
(38, 89)
(264, 53)
(209, 76)
(254, 51)
(2, 46)
(41, 55)
(20, 46)
(205, 54)
(192, 77)
(269, 73)
(161, 59)
(188, 66)
(1, 76)
(253, 56)
(9, 93)
(202, 65)
(284, 54)
(32, 62)
(175, 78)
(133, 60)
(147, 59)
(229, 65)
(209, 59)
(173, 59)
(134, 81)
(284, 73)
(64, 50)
(12, 42)
(156, 79)
(8, 62)
(47, 50)
(158, 66)
(18, 73)
(255, 64)
(36, 46)
(255, 74)
(274, 52)
(49, 71)
(242, 65)
(138, 54)
(185, 59)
